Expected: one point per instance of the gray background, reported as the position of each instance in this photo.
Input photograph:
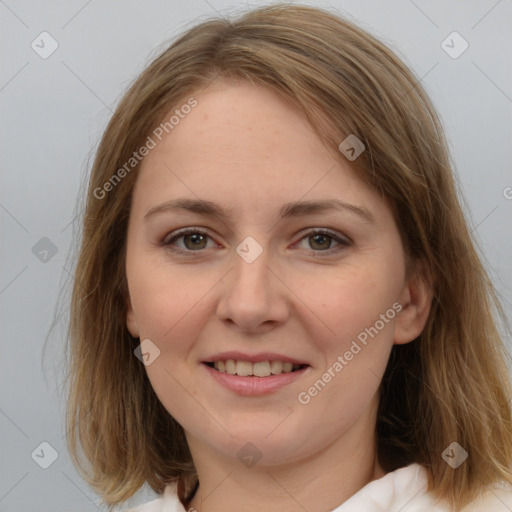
(54, 110)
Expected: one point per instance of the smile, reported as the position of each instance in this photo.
(257, 369)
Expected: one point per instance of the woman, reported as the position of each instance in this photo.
(271, 368)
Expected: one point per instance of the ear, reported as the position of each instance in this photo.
(131, 320)
(416, 301)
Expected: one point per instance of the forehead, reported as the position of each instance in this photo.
(244, 142)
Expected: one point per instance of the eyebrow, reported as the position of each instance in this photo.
(288, 210)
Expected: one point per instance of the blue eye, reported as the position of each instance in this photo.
(194, 240)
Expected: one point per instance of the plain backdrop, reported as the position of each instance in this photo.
(53, 112)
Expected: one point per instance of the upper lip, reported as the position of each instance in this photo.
(253, 358)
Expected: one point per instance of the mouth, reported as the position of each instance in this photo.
(259, 369)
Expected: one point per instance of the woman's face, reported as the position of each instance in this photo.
(256, 280)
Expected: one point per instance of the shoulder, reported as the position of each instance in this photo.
(167, 502)
(497, 498)
(406, 489)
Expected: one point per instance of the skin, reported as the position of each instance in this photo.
(243, 147)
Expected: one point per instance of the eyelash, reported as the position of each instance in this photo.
(344, 242)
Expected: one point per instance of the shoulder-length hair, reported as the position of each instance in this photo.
(451, 384)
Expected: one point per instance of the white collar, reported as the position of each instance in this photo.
(403, 490)
(397, 490)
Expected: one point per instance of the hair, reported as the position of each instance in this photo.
(450, 384)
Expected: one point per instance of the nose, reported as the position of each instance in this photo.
(253, 296)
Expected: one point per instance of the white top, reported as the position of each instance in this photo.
(402, 490)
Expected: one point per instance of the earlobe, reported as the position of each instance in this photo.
(131, 320)
(416, 301)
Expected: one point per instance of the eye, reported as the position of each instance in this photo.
(321, 239)
(194, 239)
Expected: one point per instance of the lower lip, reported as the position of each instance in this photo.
(253, 386)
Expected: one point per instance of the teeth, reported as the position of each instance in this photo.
(276, 367)
(230, 367)
(287, 367)
(243, 368)
(259, 369)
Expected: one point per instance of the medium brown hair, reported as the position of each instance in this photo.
(450, 384)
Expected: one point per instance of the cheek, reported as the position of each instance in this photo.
(355, 301)
(165, 299)
(360, 314)
(170, 307)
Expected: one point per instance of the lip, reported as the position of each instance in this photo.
(255, 386)
(252, 358)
